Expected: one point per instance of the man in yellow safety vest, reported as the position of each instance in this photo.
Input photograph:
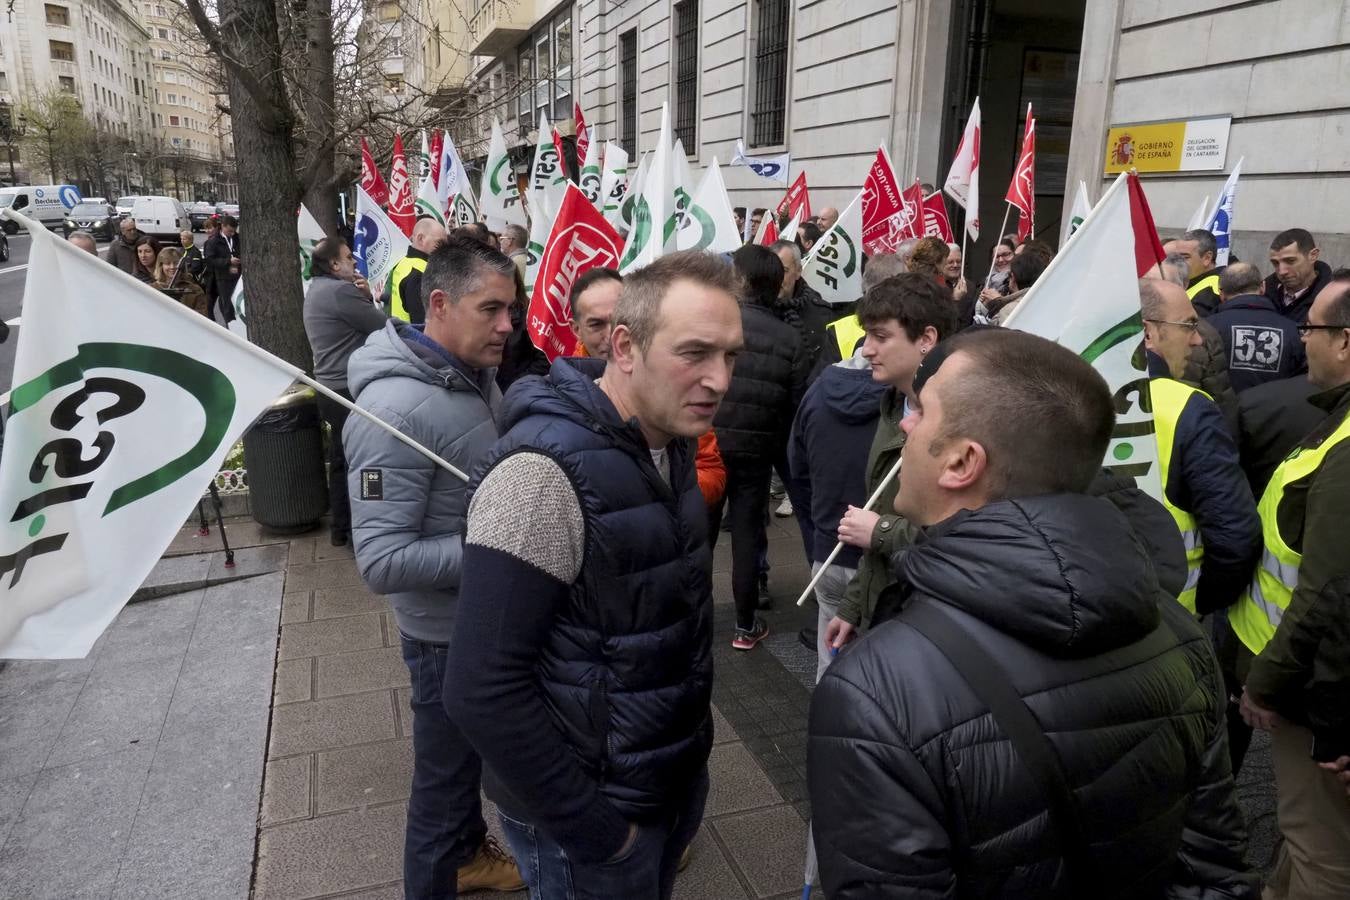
(405, 282)
(1199, 249)
(1203, 485)
(1295, 618)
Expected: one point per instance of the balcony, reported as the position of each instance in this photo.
(499, 25)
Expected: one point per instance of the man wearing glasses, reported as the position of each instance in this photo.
(1203, 485)
(1296, 619)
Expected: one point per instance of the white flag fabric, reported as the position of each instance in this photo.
(834, 265)
(543, 211)
(121, 413)
(500, 194)
(774, 168)
(1199, 218)
(614, 181)
(963, 179)
(682, 191)
(591, 179)
(455, 193)
(1081, 209)
(1088, 300)
(428, 201)
(709, 223)
(379, 243)
(789, 232)
(625, 222)
(1221, 221)
(646, 240)
(546, 170)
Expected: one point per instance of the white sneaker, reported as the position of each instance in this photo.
(784, 509)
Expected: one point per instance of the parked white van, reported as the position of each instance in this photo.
(48, 203)
(160, 217)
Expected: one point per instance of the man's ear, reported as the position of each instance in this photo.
(622, 351)
(1314, 253)
(964, 463)
(436, 300)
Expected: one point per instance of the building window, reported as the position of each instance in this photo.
(523, 107)
(62, 50)
(562, 68)
(394, 83)
(163, 33)
(173, 99)
(542, 72)
(686, 73)
(769, 73)
(159, 11)
(173, 120)
(4, 82)
(628, 92)
(57, 15)
(389, 12)
(178, 142)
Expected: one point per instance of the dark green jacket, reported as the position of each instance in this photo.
(892, 532)
(1304, 672)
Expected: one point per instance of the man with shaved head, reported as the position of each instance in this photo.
(827, 217)
(405, 295)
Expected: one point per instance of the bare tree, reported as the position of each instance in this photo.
(56, 131)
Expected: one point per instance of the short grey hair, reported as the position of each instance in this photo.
(1240, 278)
(639, 306)
(1175, 269)
(518, 235)
(953, 247)
(790, 246)
(881, 267)
(1151, 300)
(81, 235)
(904, 250)
(1204, 241)
(457, 264)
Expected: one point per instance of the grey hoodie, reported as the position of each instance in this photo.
(407, 512)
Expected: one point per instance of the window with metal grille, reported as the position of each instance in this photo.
(686, 73)
(770, 72)
(628, 99)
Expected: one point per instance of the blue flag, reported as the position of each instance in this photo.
(1221, 222)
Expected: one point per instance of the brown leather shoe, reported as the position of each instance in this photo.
(491, 868)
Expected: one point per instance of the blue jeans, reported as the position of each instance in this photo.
(445, 813)
(646, 872)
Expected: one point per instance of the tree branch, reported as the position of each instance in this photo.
(269, 116)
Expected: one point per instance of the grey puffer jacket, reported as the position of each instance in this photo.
(916, 790)
(407, 512)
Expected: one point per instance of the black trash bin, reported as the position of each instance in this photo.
(283, 453)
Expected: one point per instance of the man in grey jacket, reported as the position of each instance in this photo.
(437, 387)
(339, 316)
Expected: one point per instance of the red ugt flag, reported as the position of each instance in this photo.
(1022, 191)
(583, 135)
(401, 211)
(581, 240)
(909, 221)
(558, 145)
(935, 221)
(796, 200)
(371, 182)
(881, 201)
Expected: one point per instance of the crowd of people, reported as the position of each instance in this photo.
(1034, 679)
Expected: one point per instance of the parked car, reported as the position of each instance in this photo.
(228, 209)
(161, 217)
(199, 212)
(99, 219)
(47, 203)
(125, 204)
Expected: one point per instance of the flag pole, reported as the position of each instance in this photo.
(871, 501)
(1007, 211)
(225, 334)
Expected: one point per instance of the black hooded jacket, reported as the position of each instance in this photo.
(917, 792)
(766, 386)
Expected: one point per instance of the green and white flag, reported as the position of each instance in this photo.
(629, 202)
(428, 197)
(1088, 300)
(709, 223)
(614, 181)
(543, 212)
(546, 170)
(834, 265)
(455, 194)
(500, 193)
(125, 402)
(591, 178)
(682, 192)
(1081, 209)
(653, 206)
(308, 233)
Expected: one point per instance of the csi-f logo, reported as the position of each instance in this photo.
(839, 255)
(104, 398)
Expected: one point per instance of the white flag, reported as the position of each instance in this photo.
(428, 197)
(789, 232)
(834, 265)
(121, 413)
(455, 193)
(774, 168)
(709, 223)
(379, 243)
(682, 187)
(614, 182)
(646, 241)
(625, 219)
(591, 180)
(543, 212)
(963, 180)
(499, 193)
(546, 170)
(1199, 218)
(1081, 209)
(1088, 300)
(1221, 221)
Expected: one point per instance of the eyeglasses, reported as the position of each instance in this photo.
(1189, 326)
(1305, 330)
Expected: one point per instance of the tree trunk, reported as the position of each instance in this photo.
(320, 189)
(268, 189)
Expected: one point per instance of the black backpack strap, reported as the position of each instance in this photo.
(993, 686)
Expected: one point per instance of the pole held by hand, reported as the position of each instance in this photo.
(871, 501)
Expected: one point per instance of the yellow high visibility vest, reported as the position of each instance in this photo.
(847, 332)
(405, 267)
(1209, 281)
(1169, 398)
(1258, 613)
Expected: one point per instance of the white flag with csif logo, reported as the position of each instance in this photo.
(834, 265)
(121, 413)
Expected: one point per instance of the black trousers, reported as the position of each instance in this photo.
(339, 505)
(747, 497)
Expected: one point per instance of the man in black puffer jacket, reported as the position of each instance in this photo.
(752, 426)
(916, 787)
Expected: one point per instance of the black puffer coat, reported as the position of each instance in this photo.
(766, 387)
(915, 790)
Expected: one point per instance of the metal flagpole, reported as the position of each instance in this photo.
(871, 501)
